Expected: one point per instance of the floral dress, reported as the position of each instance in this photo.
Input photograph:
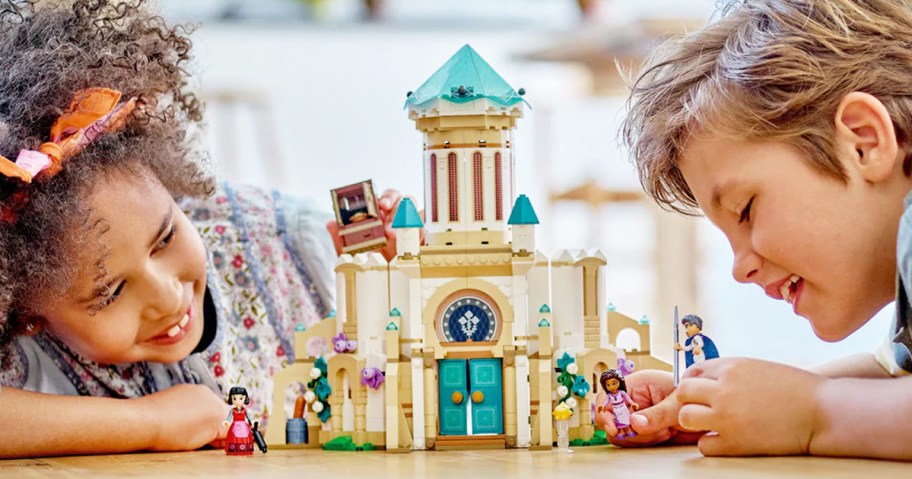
(270, 268)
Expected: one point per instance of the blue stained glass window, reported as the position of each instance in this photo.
(469, 319)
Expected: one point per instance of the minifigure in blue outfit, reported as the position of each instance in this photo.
(698, 346)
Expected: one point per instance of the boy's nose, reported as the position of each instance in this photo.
(745, 266)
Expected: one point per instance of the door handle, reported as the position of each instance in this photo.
(477, 396)
(457, 397)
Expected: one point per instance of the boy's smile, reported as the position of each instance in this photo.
(824, 246)
(145, 301)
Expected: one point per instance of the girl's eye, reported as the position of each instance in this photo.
(111, 297)
(745, 213)
(167, 239)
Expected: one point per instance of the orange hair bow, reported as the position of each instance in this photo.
(93, 111)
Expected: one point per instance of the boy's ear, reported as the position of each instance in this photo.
(864, 129)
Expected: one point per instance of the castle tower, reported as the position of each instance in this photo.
(467, 113)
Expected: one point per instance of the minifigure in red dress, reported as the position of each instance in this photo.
(240, 437)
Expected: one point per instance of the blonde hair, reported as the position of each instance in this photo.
(772, 70)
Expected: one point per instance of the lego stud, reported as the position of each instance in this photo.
(521, 91)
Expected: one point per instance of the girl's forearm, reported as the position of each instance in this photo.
(36, 424)
(864, 418)
(861, 365)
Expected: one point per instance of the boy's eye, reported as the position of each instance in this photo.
(745, 213)
(166, 240)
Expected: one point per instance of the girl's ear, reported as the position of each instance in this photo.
(30, 325)
(864, 132)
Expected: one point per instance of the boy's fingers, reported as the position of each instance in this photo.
(710, 368)
(712, 445)
(661, 416)
(695, 417)
(697, 390)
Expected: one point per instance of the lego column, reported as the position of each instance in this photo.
(523, 432)
(545, 438)
(510, 400)
(430, 403)
(418, 404)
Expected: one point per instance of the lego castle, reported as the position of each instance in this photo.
(467, 328)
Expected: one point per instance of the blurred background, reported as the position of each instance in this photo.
(307, 95)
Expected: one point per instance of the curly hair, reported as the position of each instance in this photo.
(770, 70)
(48, 52)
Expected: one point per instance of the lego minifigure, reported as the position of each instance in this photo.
(698, 347)
(617, 401)
(241, 431)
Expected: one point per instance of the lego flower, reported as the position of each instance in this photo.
(570, 402)
(315, 373)
(572, 368)
(562, 391)
(309, 396)
(565, 361)
(580, 386)
(562, 412)
(317, 407)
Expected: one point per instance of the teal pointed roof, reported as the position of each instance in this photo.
(523, 213)
(395, 312)
(468, 70)
(544, 323)
(544, 309)
(407, 216)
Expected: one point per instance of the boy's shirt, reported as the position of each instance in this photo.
(269, 267)
(896, 354)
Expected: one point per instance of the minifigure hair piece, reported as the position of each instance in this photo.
(238, 391)
(771, 70)
(612, 374)
(49, 51)
(692, 319)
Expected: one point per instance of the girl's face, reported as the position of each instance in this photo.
(150, 304)
(237, 400)
(613, 385)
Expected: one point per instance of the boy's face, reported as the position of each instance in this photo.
(156, 278)
(826, 247)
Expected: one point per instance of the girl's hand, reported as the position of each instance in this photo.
(387, 205)
(183, 417)
(657, 421)
(753, 407)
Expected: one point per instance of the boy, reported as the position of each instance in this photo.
(788, 124)
(698, 347)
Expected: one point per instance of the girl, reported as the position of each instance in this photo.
(616, 400)
(135, 288)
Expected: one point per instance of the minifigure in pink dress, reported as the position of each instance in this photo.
(617, 401)
(240, 436)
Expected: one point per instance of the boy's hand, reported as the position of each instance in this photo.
(753, 407)
(183, 417)
(657, 420)
(387, 205)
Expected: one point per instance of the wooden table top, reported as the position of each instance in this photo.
(586, 462)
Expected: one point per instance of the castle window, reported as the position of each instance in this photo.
(498, 187)
(433, 168)
(453, 180)
(477, 178)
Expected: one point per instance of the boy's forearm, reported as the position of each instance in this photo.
(864, 418)
(861, 365)
(35, 424)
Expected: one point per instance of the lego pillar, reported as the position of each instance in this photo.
(430, 403)
(418, 404)
(509, 385)
(545, 369)
(391, 389)
(523, 407)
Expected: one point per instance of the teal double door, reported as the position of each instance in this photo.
(471, 396)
